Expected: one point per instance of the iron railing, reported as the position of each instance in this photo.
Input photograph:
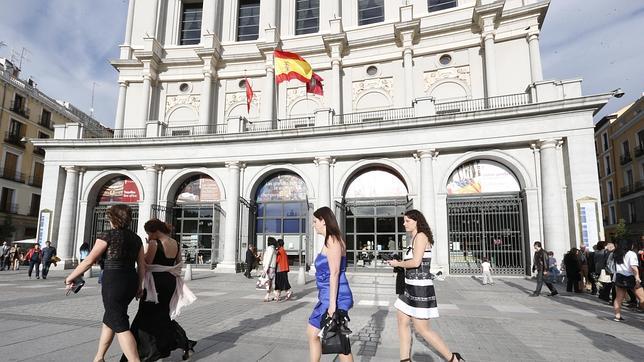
(14, 138)
(480, 104)
(259, 126)
(23, 111)
(639, 185)
(129, 133)
(624, 159)
(297, 122)
(9, 208)
(374, 116)
(639, 150)
(195, 130)
(626, 190)
(39, 150)
(11, 174)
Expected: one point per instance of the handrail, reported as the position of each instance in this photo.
(479, 104)
(374, 116)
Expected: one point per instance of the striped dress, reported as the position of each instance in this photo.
(419, 299)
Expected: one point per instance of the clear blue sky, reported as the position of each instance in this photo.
(70, 43)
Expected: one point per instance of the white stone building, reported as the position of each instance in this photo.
(438, 105)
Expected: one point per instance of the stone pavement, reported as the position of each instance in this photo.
(231, 323)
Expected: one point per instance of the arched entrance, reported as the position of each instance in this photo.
(118, 190)
(196, 220)
(371, 216)
(485, 219)
(282, 212)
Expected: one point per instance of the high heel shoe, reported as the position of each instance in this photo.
(457, 356)
(190, 351)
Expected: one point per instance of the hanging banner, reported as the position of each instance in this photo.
(44, 222)
(588, 221)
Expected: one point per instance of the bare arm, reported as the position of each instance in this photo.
(420, 243)
(334, 256)
(152, 249)
(140, 268)
(99, 248)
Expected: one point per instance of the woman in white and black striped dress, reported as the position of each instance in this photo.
(418, 303)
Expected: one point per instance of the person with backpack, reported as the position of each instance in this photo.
(34, 257)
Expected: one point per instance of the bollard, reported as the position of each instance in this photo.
(301, 277)
(188, 274)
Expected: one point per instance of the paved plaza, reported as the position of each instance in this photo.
(231, 323)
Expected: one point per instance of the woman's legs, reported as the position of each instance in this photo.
(617, 303)
(404, 335)
(315, 347)
(422, 327)
(128, 346)
(104, 342)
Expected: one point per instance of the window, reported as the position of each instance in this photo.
(15, 128)
(35, 205)
(609, 190)
(629, 178)
(191, 23)
(248, 20)
(607, 165)
(612, 216)
(36, 178)
(6, 200)
(605, 141)
(307, 16)
(625, 149)
(370, 11)
(10, 166)
(632, 216)
(18, 104)
(372, 70)
(445, 59)
(436, 5)
(640, 139)
(45, 118)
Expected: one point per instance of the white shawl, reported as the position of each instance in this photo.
(182, 296)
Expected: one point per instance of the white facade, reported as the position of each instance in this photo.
(179, 115)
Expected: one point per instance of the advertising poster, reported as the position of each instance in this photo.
(481, 176)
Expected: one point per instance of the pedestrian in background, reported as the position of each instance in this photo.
(583, 262)
(47, 253)
(269, 261)
(540, 265)
(281, 273)
(487, 271)
(552, 267)
(626, 276)
(573, 271)
(4, 255)
(34, 257)
(250, 261)
(18, 258)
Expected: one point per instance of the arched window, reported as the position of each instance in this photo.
(436, 5)
(482, 176)
(119, 190)
(371, 11)
(198, 189)
(307, 16)
(374, 184)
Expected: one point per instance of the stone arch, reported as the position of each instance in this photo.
(365, 164)
(365, 100)
(172, 186)
(450, 89)
(95, 184)
(507, 160)
(182, 115)
(260, 176)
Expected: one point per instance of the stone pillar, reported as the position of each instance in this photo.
(535, 57)
(324, 194)
(65, 242)
(336, 71)
(150, 185)
(427, 193)
(205, 105)
(145, 100)
(408, 64)
(129, 23)
(553, 217)
(229, 263)
(267, 107)
(152, 18)
(490, 64)
(208, 20)
(120, 107)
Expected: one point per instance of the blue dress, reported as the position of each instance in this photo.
(345, 297)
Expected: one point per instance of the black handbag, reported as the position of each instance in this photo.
(624, 281)
(335, 334)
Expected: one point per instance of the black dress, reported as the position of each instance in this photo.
(155, 333)
(120, 279)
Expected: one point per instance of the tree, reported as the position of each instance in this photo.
(7, 228)
(621, 231)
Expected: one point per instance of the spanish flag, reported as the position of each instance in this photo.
(291, 66)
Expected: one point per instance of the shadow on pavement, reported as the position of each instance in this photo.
(375, 326)
(607, 342)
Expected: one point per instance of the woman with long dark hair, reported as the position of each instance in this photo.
(417, 304)
(626, 276)
(334, 294)
(573, 271)
(156, 332)
(281, 273)
(120, 248)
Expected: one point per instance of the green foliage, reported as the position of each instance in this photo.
(621, 231)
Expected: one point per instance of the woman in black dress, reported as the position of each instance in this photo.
(573, 270)
(120, 248)
(155, 333)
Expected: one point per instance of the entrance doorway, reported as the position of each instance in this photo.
(118, 190)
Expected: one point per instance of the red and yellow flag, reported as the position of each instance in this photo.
(291, 66)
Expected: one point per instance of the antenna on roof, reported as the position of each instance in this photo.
(18, 57)
(91, 109)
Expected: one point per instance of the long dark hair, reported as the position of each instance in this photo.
(332, 228)
(621, 249)
(421, 224)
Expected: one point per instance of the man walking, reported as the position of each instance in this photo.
(4, 256)
(250, 261)
(540, 265)
(47, 253)
(34, 256)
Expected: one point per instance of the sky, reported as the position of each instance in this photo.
(69, 45)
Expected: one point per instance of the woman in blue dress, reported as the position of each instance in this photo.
(333, 287)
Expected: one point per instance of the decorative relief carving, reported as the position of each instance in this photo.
(234, 99)
(458, 73)
(383, 84)
(180, 100)
(295, 94)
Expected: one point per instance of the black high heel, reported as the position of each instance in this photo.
(457, 356)
(190, 351)
(406, 360)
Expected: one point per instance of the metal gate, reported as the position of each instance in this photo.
(101, 224)
(486, 226)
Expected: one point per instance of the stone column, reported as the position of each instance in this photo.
(553, 216)
(408, 64)
(129, 23)
(324, 194)
(336, 71)
(267, 107)
(65, 242)
(205, 105)
(229, 263)
(150, 185)
(427, 193)
(120, 107)
(152, 18)
(145, 100)
(490, 64)
(535, 56)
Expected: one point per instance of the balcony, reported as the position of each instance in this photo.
(35, 181)
(194, 130)
(14, 138)
(12, 175)
(9, 208)
(624, 159)
(638, 151)
(46, 122)
(474, 105)
(626, 190)
(374, 116)
(639, 185)
(39, 151)
(23, 111)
